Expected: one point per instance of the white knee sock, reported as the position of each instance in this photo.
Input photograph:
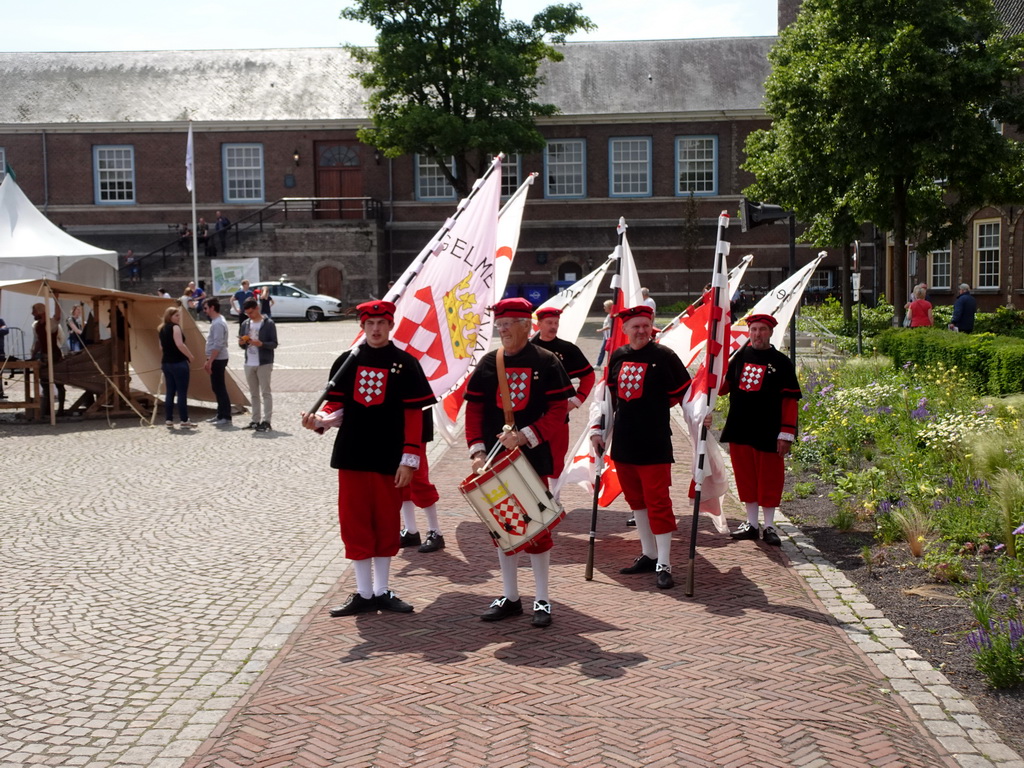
(769, 517)
(381, 573)
(364, 577)
(509, 565)
(432, 522)
(751, 507)
(643, 527)
(664, 544)
(409, 516)
(541, 568)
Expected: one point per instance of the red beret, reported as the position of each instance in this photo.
(641, 310)
(548, 312)
(513, 308)
(376, 308)
(768, 320)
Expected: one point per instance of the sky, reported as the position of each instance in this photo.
(123, 25)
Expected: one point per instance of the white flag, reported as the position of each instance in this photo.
(781, 303)
(189, 160)
(575, 303)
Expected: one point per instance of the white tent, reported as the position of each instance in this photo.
(32, 247)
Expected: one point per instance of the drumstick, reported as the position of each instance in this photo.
(598, 469)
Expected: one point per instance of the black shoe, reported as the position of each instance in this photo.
(252, 425)
(631, 523)
(389, 601)
(746, 531)
(502, 608)
(263, 426)
(665, 580)
(771, 537)
(541, 613)
(434, 542)
(409, 539)
(356, 603)
(642, 564)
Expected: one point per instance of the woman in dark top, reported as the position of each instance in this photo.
(175, 364)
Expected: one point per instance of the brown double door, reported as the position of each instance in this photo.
(339, 173)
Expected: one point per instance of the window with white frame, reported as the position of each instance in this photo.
(565, 168)
(3, 163)
(822, 280)
(511, 175)
(431, 183)
(629, 167)
(940, 270)
(243, 173)
(114, 175)
(986, 253)
(697, 165)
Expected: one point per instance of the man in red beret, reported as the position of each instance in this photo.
(376, 405)
(761, 426)
(645, 381)
(539, 392)
(576, 367)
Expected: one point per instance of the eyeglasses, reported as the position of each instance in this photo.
(504, 325)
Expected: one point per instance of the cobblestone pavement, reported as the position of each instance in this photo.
(163, 606)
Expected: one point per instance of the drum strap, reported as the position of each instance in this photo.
(506, 395)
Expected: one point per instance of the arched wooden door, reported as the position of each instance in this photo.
(339, 173)
(328, 281)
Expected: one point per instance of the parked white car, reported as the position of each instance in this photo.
(292, 301)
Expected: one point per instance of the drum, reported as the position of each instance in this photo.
(513, 501)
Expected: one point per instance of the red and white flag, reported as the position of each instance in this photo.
(625, 286)
(441, 308)
(580, 468)
(686, 333)
(710, 475)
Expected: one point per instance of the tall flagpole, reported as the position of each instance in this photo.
(190, 163)
(435, 246)
(711, 353)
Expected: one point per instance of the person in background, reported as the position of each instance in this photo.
(648, 301)
(920, 309)
(4, 330)
(258, 337)
(40, 351)
(76, 329)
(964, 309)
(221, 227)
(239, 298)
(266, 300)
(176, 363)
(217, 360)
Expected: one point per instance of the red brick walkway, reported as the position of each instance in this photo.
(751, 671)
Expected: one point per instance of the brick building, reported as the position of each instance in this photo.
(652, 131)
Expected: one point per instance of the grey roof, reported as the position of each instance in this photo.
(660, 76)
(1012, 14)
(314, 84)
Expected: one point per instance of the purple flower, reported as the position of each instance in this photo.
(1000, 546)
(920, 413)
(938, 504)
(806, 438)
(948, 481)
(884, 506)
(885, 409)
(979, 640)
(1018, 531)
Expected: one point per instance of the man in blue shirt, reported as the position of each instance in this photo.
(239, 298)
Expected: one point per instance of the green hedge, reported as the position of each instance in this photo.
(993, 364)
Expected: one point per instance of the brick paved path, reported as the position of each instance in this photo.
(163, 604)
(752, 671)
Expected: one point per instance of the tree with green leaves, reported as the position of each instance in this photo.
(890, 112)
(454, 79)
